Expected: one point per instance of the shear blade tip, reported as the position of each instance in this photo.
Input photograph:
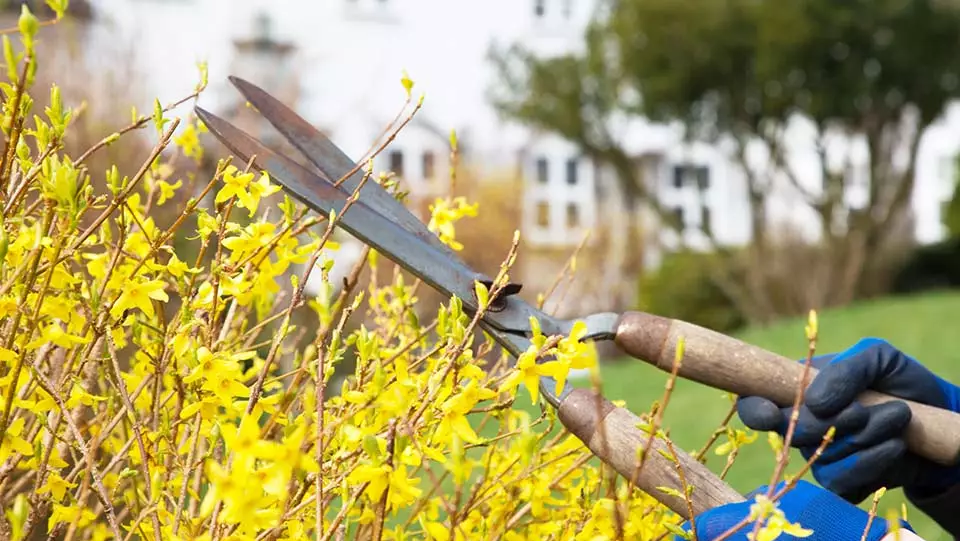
(242, 84)
(206, 116)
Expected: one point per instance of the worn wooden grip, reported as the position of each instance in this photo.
(729, 364)
(613, 435)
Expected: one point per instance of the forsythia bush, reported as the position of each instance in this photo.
(142, 394)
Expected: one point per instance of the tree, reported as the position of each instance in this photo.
(864, 76)
(952, 211)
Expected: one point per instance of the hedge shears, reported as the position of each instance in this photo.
(612, 433)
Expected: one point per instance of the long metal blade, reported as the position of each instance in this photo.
(441, 271)
(332, 161)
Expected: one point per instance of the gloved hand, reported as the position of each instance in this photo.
(868, 451)
(806, 505)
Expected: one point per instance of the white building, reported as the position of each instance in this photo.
(344, 60)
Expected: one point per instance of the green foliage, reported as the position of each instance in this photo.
(932, 267)
(682, 288)
(951, 217)
(935, 266)
(736, 64)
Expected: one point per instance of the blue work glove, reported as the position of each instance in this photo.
(868, 451)
(830, 517)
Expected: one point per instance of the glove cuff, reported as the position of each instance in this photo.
(941, 506)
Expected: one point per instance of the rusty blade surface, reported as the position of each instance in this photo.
(442, 271)
(332, 161)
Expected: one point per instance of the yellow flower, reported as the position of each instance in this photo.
(526, 372)
(140, 295)
(245, 440)
(402, 489)
(456, 409)
(189, 141)
(258, 190)
(735, 439)
(12, 442)
(167, 190)
(56, 486)
(8, 305)
(773, 520)
(444, 213)
(55, 334)
(177, 268)
(77, 514)
(234, 185)
(569, 353)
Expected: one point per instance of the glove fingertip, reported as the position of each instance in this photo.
(895, 414)
(758, 413)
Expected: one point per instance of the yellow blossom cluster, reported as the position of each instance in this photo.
(164, 374)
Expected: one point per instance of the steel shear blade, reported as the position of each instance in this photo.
(380, 220)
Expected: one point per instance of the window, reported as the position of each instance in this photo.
(678, 176)
(572, 171)
(539, 7)
(542, 172)
(703, 177)
(543, 214)
(396, 162)
(679, 218)
(689, 174)
(428, 165)
(573, 215)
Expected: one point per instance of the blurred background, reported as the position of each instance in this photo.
(729, 161)
(734, 163)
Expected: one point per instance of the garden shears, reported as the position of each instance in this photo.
(612, 433)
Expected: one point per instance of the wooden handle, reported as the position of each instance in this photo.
(726, 363)
(613, 435)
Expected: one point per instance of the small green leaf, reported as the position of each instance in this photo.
(672, 492)
(372, 446)
(28, 25)
(158, 118)
(59, 7)
(677, 530)
(204, 76)
(667, 455)
(483, 296)
(10, 58)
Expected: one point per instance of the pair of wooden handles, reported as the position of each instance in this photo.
(725, 363)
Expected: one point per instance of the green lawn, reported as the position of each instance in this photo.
(921, 326)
